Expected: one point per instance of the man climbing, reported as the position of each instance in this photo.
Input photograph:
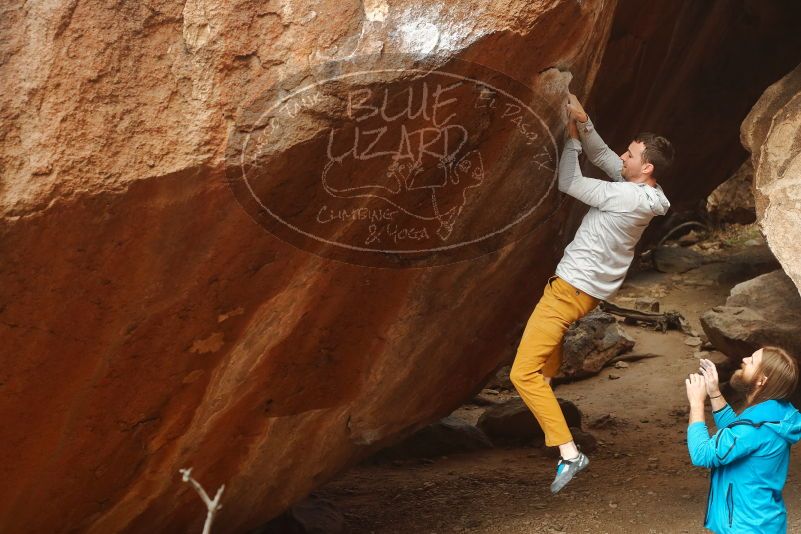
(593, 266)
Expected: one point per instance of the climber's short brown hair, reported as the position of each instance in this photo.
(658, 152)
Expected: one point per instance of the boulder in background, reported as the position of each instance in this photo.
(763, 311)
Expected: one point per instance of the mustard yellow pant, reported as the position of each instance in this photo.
(540, 354)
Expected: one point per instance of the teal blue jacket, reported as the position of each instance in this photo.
(749, 456)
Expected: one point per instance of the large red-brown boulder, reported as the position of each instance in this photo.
(150, 323)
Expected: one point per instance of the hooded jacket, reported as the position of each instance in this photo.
(749, 456)
(597, 259)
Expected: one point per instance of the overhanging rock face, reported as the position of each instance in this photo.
(150, 323)
(772, 133)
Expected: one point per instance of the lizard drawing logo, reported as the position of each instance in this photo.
(396, 166)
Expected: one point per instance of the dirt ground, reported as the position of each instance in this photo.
(639, 480)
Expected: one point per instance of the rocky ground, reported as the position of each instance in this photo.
(640, 478)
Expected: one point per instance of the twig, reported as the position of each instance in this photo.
(679, 227)
(660, 321)
(632, 357)
(212, 505)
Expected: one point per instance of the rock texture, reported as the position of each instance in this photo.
(763, 311)
(676, 259)
(772, 133)
(590, 343)
(314, 515)
(512, 421)
(733, 200)
(447, 436)
(149, 324)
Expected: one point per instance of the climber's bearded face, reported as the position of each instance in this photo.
(633, 165)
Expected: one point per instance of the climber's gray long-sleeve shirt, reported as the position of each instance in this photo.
(597, 259)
